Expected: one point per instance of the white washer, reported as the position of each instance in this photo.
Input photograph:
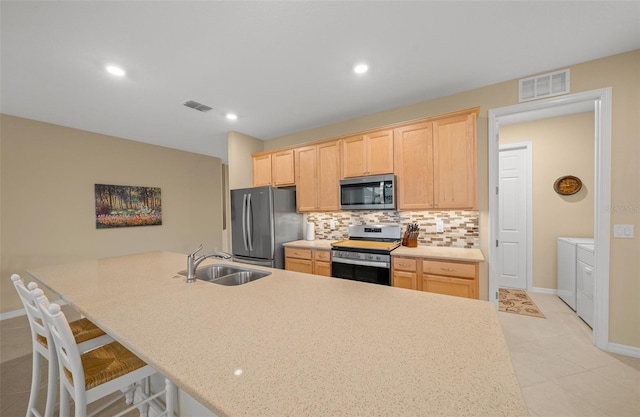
(586, 275)
(567, 258)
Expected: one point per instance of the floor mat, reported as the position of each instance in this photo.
(518, 302)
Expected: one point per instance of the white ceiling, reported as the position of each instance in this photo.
(282, 67)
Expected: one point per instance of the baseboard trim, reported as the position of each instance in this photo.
(626, 350)
(541, 290)
(22, 312)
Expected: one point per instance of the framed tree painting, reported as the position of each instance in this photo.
(127, 206)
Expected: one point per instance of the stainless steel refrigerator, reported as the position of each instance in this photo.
(262, 219)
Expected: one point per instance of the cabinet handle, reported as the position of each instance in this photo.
(403, 264)
(447, 269)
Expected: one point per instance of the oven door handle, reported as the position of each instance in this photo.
(363, 263)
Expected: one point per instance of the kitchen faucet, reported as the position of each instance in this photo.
(193, 262)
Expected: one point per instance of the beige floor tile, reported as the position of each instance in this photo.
(623, 372)
(550, 400)
(527, 376)
(577, 350)
(632, 362)
(616, 397)
(533, 413)
(543, 362)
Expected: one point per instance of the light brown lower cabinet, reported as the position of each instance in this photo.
(456, 278)
(405, 273)
(322, 262)
(310, 261)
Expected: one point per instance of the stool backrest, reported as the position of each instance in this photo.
(38, 328)
(65, 344)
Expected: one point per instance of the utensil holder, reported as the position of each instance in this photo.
(412, 242)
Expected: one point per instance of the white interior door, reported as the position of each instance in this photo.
(513, 216)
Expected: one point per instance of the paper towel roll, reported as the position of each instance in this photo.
(311, 231)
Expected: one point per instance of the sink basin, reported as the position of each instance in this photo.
(227, 274)
(242, 277)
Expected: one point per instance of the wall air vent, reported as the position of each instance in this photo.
(543, 86)
(196, 106)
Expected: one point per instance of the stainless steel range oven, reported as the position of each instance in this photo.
(366, 255)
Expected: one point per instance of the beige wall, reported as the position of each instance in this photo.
(240, 149)
(622, 73)
(561, 146)
(48, 174)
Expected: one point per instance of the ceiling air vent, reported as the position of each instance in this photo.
(545, 85)
(196, 106)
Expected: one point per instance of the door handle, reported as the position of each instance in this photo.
(244, 222)
(249, 222)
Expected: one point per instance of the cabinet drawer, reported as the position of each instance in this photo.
(298, 265)
(322, 255)
(454, 269)
(405, 264)
(297, 253)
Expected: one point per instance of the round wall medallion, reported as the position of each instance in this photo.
(567, 185)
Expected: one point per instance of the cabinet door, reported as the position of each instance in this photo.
(414, 166)
(404, 279)
(306, 182)
(328, 174)
(459, 287)
(298, 265)
(379, 152)
(354, 156)
(261, 170)
(454, 162)
(282, 168)
(322, 268)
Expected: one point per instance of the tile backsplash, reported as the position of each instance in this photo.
(460, 227)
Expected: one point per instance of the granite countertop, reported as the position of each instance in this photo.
(433, 252)
(306, 345)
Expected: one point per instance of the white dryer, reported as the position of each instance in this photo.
(586, 276)
(567, 271)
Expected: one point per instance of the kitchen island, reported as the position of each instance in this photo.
(294, 344)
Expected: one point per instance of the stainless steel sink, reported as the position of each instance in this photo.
(226, 274)
(242, 277)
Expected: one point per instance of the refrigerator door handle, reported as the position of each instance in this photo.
(249, 222)
(244, 222)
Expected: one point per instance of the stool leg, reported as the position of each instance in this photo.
(64, 401)
(52, 385)
(35, 382)
(170, 397)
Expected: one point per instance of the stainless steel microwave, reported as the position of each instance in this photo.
(368, 193)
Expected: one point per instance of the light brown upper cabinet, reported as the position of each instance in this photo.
(414, 166)
(276, 168)
(317, 170)
(261, 170)
(368, 154)
(436, 163)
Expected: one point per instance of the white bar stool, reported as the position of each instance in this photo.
(97, 373)
(87, 334)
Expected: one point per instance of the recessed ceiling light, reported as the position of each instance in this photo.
(112, 69)
(361, 68)
(231, 116)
